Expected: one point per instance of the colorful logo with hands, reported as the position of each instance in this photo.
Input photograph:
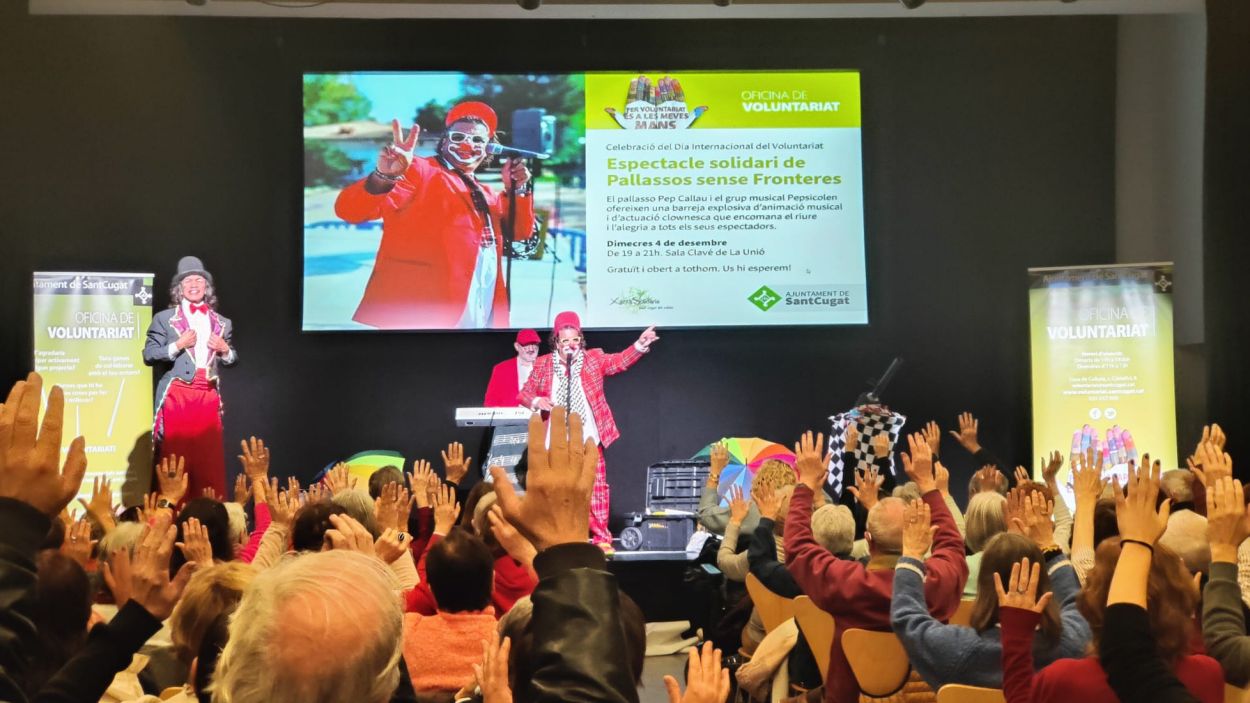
(658, 105)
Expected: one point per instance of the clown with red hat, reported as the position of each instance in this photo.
(572, 376)
(438, 265)
(510, 375)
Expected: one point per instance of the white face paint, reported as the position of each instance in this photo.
(194, 288)
(471, 149)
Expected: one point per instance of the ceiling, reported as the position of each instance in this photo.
(609, 9)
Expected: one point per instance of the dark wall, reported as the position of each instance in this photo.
(128, 142)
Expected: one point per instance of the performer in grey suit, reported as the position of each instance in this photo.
(193, 338)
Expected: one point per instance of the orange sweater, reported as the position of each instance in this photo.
(441, 649)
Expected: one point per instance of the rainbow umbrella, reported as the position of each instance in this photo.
(745, 456)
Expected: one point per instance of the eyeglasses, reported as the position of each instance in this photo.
(571, 340)
(457, 137)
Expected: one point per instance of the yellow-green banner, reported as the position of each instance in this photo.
(722, 99)
(89, 334)
(1102, 363)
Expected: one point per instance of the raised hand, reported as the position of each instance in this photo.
(512, 541)
(556, 506)
(144, 578)
(419, 482)
(967, 434)
(1135, 513)
(1021, 591)
(78, 542)
(348, 534)
(1215, 434)
(812, 461)
(881, 446)
(171, 477)
(933, 435)
(1031, 516)
(738, 506)
(943, 478)
(768, 500)
(151, 508)
(1050, 469)
(989, 478)
(210, 493)
(100, 507)
(918, 529)
(719, 457)
(255, 459)
(1087, 481)
(340, 479)
(395, 157)
(706, 680)
(867, 488)
(455, 463)
(851, 439)
(30, 467)
(195, 545)
(392, 506)
(391, 545)
(1228, 521)
(919, 463)
(186, 340)
(446, 509)
(1022, 476)
(282, 504)
(648, 337)
(1209, 464)
(318, 493)
(242, 490)
(492, 673)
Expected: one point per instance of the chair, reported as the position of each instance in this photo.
(963, 614)
(1233, 694)
(878, 660)
(773, 609)
(959, 693)
(817, 628)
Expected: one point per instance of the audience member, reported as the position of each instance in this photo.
(986, 518)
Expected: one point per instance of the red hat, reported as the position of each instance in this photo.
(568, 318)
(473, 110)
(525, 337)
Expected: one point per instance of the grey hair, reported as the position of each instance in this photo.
(359, 505)
(238, 522)
(280, 645)
(908, 492)
(986, 517)
(885, 524)
(833, 526)
(124, 536)
(1178, 484)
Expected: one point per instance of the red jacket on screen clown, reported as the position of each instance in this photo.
(430, 235)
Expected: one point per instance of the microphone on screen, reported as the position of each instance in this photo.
(496, 149)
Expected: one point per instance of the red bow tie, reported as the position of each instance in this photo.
(201, 308)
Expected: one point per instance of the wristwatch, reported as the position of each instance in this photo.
(164, 503)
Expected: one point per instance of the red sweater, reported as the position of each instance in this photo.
(1084, 680)
(858, 596)
(440, 650)
(512, 583)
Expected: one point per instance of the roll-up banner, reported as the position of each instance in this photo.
(88, 339)
(1103, 364)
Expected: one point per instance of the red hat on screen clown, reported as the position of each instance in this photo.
(568, 318)
(525, 337)
(473, 110)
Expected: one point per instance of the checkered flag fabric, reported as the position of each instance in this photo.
(870, 422)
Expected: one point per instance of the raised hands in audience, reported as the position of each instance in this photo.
(446, 509)
(78, 543)
(393, 507)
(739, 506)
(933, 436)
(195, 545)
(867, 488)
(918, 463)
(719, 458)
(1140, 522)
(1021, 590)
(812, 460)
(880, 446)
(282, 504)
(455, 463)
(556, 506)
(242, 490)
(347, 533)
(1028, 514)
(967, 434)
(918, 529)
(144, 577)
(512, 541)
(769, 501)
(317, 492)
(30, 466)
(706, 680)
(210, 493)
(255, 459)
(171, 478)
(1050, 470)
(101, 507)
(851, 438)
(492, 673)
(1228, 521)
(1209, 463)
(422, 483)
(391, 545)
(942, 476)
(340, 479)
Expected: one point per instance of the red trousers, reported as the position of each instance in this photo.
(190, 418)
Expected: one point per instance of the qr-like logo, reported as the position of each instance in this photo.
(764, 298)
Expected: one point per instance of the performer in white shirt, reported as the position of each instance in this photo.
(192, 338)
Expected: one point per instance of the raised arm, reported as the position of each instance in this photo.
(1223, 619)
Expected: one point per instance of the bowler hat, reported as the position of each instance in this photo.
(191, 265)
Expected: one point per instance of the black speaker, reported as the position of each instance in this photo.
(533, 130)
